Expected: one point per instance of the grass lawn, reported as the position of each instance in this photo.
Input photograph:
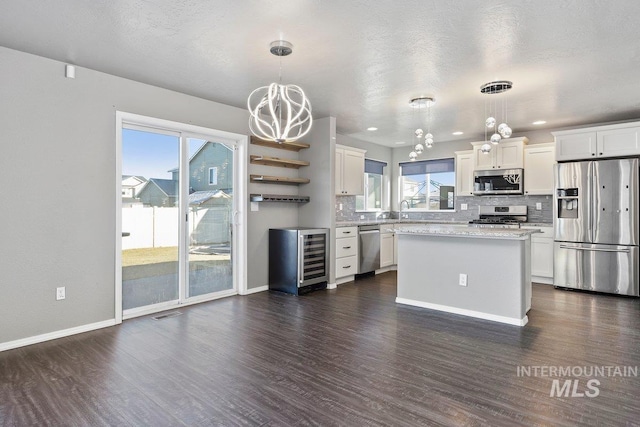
(149, 256)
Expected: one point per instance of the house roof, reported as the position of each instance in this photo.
(200, 197)
(167, 186)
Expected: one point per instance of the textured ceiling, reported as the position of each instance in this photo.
(571, 62)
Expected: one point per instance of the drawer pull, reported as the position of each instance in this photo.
(346, 232)
(346, 266)
(346, 247)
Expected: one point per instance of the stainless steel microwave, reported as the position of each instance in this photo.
(498, 181)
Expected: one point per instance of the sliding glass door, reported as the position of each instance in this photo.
(177, 218)
(211, 176)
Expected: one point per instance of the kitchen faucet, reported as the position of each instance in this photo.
(408, 206)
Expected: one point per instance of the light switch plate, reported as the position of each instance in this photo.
(538, 206)
(463, 206)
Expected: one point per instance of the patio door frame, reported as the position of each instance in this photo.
(239, 143)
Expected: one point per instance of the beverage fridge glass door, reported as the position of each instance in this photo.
(615, 202)
(572, 202)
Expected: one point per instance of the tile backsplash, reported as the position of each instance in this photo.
(348, 212)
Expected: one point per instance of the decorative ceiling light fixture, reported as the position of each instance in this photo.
(503, 130)
(419, 103)
(279, 113)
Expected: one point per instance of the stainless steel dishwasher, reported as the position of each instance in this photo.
(369, 238)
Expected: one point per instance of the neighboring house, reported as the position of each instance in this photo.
(210, 168)
(131, 185)
(159, 192)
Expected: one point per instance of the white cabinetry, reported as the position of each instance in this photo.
(542, 255)
(538, 168)
(346, 251)
(602, 141)
(464, 173)
(508, 154)
(386, 249)
(349, 171)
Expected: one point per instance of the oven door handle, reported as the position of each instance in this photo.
(578, 248)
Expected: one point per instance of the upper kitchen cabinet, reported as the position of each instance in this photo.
(464, 173)
(602, 141)
(538, 168)
(349, 171)
(508, 154)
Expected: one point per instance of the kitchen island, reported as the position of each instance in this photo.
(478, 272)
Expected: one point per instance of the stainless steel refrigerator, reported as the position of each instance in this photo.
(596, 229)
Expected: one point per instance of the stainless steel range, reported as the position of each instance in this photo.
(500, 217)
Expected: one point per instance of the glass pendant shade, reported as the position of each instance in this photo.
(419, 148)
(506, 132)
(495, 138)
(419, 133)
(413, 155)
(429, 143)
(485, 149)
(501, 127)
(490, 122)
(429, 136)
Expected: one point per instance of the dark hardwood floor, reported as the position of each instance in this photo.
(349, 356)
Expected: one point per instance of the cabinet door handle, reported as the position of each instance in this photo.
(346, 232)
(601, 154)
(346, 247)
(346, 266)
(593, 154)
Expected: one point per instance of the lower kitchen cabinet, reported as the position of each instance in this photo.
(346, 261)
(542, 255)
(386, 249)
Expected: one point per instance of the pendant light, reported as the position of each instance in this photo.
(279, 113)
(502, 130)
(420, 103)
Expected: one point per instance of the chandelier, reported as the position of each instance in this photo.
(279, 113)
(419, 103)
(502, 130)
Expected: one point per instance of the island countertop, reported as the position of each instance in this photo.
(466, 231)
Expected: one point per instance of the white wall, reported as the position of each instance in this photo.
(58, 152)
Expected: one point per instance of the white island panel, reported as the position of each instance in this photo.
(497, 265)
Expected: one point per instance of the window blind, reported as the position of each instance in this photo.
(374, 166)
(427, 166)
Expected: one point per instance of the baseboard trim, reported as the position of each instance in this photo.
(471, 313)
(55, 335)
(345, 279)
(543, 280)
(256, 290)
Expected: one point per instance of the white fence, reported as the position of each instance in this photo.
(151, 227)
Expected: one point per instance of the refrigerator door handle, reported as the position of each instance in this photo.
(580, 248)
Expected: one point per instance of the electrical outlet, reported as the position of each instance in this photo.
(538, 206)
(340, 206)
(361, 216)
(462, 281)
(60, 293)
(463, 206)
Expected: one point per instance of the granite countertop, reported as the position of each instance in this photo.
(465, 231)
(396, 221)
(424, 221)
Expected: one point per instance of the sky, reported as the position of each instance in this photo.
(151, 154)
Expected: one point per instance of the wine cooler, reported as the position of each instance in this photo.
(298, 259)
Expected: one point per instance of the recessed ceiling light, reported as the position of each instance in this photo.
(372, 128)
(457, 133)
(539, 122)
(400, 142)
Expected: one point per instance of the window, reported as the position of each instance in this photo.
(213, 176)
(373, 185)
(428, 185)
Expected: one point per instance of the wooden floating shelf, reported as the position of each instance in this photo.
(279, 180)
(275, 161)
(291, 146)
(278, 198)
